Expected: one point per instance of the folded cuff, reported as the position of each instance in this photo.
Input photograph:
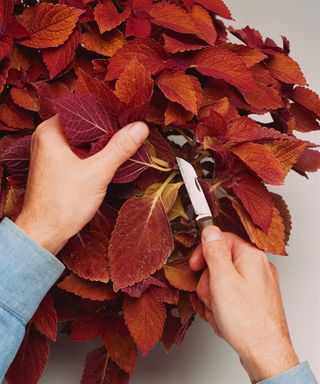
(28, 271)
(301, 374)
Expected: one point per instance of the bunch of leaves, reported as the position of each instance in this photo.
(101, 65)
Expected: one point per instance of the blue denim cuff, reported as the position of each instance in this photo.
(28, 271)
(301, 374)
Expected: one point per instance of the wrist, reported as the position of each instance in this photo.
(43, 234)
(267, 362)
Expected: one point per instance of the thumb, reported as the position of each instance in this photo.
(216, 251)
(122, 145)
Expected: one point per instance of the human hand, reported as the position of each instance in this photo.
(64, 192)
(240, 289)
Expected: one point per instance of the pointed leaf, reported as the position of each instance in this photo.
(15, 117)
(145, 316)
(85, 118)
(138, 289)
(282, 207)
(87, 326)
(274, 240)
(30, 360)
(256, 199)
(50, 25)
(221, 63)
(181, 88)
(132, 255)
(107, 16)
(307, 99)
(99, 368)
(45, 318)
(106, 45)
(174, 45)
(120, 345)
(148, 52)
(134, 77)
(204, 23)
(217, 6)
(285, 69)
(308, 161)
(261, 161)
(86, 289)
(86, 255)
(133, 167)
(57, 59)
(172, 16)
(16, 156)
(180, 275)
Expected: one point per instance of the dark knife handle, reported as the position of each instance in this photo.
(205, 222)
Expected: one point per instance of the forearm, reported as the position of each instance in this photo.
(28, 272)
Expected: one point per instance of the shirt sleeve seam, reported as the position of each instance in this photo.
(12, 312)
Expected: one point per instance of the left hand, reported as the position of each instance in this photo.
(63, 191)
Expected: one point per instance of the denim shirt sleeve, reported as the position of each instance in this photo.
(27, 273)
(301, 374)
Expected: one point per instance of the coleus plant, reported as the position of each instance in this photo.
(101, 65)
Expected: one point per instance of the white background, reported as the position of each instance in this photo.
(204, 358)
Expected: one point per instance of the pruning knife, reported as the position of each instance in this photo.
(196, 194)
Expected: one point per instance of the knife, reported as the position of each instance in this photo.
(196, 194)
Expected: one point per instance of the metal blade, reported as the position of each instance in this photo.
(197, 197)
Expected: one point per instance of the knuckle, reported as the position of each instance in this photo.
(41, 132)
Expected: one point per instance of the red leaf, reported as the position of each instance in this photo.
(16, 156)
(274, 240)
(107, 16)
(217, 6)
(261, 161)
(145, 316)
(256, 199)
(306, 121)
(181, 88)
(204, 23)
(174, 45)
(307, 99)
(148, 52)
(213, 125)
(86, 255)
(120, 345)
(135, 235)
(45, 318)
(99, 368)
(107, 44)
(50, 25)
(26, 98)
(138, 289)
(15, 117)
(31, 359)
(308, 161)
(89, 84)
(221, 63)
(133, 167)
(92, 290)
(162, 146)
(285, 69)
(87, 326)
(85, 118)
(282, 207)
(138, 27)
(57, 59)
(134, 77)
(172, 16)
(180, 275)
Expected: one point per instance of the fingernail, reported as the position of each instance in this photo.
(138, 132)
(211, 233)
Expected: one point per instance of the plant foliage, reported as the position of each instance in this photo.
(103, 64)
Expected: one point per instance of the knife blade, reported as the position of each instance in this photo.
(195, 192)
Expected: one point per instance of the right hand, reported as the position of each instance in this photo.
(240, 289)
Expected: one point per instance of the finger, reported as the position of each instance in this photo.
(246, 257)
(197, 261)
(122, 146)
(51, 131)
(203, 288)
(217, 253)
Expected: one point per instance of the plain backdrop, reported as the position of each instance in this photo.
(204, 358)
